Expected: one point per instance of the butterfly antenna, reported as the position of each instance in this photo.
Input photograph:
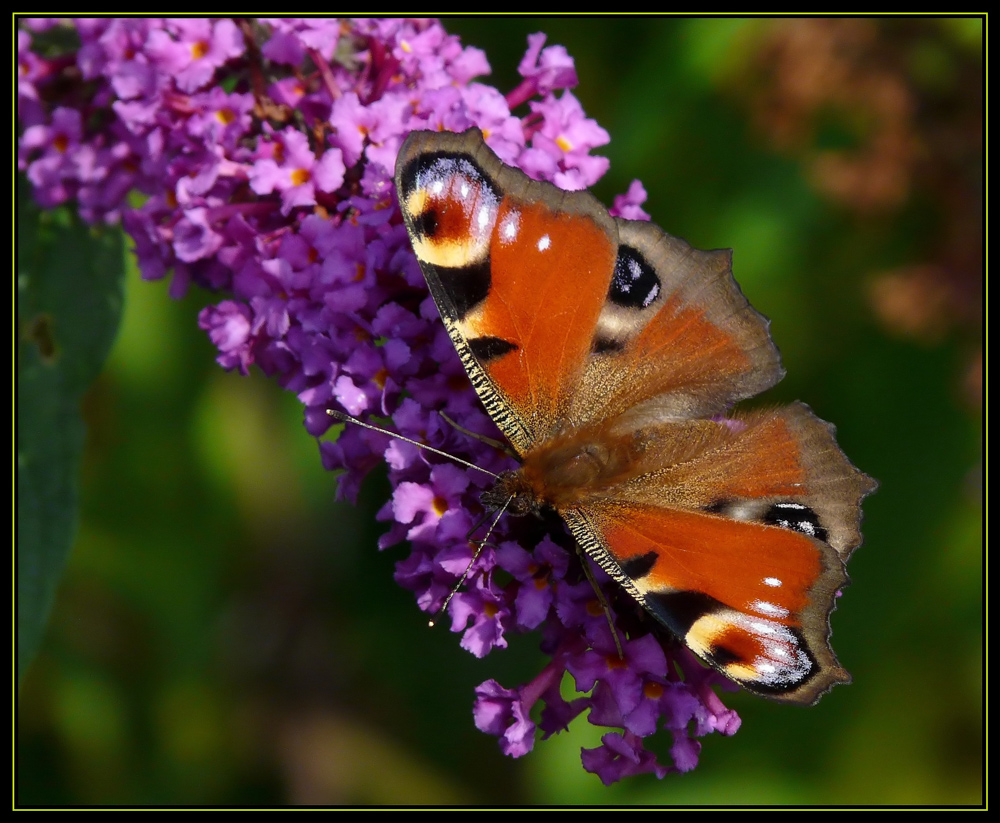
(600, 599)
(489, 441)
(346, 418)
(480, 545)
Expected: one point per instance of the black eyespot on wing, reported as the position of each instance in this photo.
(426, 223)
(408, 178)
(804, 670)
(465, 287)
(438, 165)
(797, 517)
(634, 284)
(639, 567)
(721, 656)
(678, 611)
(486, 349)
(717, 507)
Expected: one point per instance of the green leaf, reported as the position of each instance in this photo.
(69, 301)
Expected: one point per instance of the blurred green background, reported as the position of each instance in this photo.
(226, 633)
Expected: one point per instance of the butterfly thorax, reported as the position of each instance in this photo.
(565, 471)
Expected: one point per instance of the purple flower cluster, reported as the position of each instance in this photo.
(263, 152)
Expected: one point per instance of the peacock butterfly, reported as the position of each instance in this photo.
(610, 353)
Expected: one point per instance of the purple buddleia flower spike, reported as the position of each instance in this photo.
(264, 153)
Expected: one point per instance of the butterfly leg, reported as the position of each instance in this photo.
(605, 606)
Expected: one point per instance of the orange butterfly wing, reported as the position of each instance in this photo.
(739, 548)
(552, 316)
(607, 350)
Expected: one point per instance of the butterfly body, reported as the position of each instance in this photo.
(571, 469)
(610, 354)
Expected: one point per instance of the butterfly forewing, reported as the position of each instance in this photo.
(677, 339)
(516, 267)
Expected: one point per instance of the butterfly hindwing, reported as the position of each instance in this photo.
(730, 543)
